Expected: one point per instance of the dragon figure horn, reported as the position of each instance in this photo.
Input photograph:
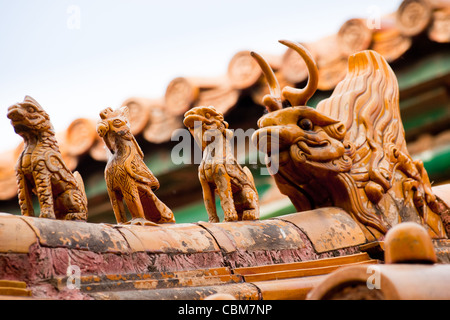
(272, 101)
(299, 97)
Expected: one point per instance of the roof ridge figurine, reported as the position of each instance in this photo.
(127, 176)
(219, 171)
(41, 169)
(350, 151)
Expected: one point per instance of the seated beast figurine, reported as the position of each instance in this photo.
(41, 169)
(127, 176)
(219, 171)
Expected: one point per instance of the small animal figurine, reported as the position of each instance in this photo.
(219, 171)
(127, 176)
(41, 169)
(350, 151)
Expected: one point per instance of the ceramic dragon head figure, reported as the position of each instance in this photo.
(350, 150)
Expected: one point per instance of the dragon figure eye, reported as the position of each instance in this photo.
(117, 123)
(305, 124)
(30, 109)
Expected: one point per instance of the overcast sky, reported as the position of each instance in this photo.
(77, 57)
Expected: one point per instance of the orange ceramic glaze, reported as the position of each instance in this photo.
(350, 151)
(127, 177)
(219, 171)
(409, 242)
(41, 168)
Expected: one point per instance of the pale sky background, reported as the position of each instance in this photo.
(135, 48)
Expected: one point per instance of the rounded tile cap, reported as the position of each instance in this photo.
(409, 242)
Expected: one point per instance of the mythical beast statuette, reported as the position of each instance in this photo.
(350, 151)
(219, 171)
(41, 168)
(127, 176)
